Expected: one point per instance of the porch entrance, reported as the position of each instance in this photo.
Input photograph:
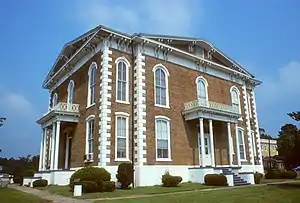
(207, 161)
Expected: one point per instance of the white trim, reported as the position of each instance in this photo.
(201, 78)
(238, 144)
(87, 120)
(127, 64)
(90, 117)
(168, 121)
(92, 66)
(234, 88)
(126, 116)
(166, 72)
(69, 92)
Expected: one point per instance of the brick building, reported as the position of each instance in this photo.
(172, 103)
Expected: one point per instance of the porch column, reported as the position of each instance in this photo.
(41, 150)
(202, 141)
(237, 144)
(229, 144)
(67, 151)
(212, 147)
(44, 149)
(57, 136)
(52, 146)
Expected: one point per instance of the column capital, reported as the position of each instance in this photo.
(201, 119)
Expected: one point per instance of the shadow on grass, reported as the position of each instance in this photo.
(287, 185)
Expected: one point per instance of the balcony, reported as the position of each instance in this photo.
(61, 112)
(204, 108)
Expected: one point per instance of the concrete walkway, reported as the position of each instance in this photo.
(61, 199)
(48, 196)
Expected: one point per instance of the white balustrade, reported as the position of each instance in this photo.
(67, 107)
(211, 105)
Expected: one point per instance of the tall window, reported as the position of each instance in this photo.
(235, 98)
(253, 143)
(70, 92)
(249, 105)
(92, 84)
(90, 130)
(54, 100)
(122, 127)
(201, 88)
(122, 81)
(162, 131)
(161, 85)
(241, 144)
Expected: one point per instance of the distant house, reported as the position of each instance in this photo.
(164, 102)
(267, 144)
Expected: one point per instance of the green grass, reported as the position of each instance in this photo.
(65, 191)
(288, 193)
(8, 195)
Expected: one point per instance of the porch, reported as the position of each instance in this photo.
(58, 126)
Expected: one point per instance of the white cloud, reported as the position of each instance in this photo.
(176, 17)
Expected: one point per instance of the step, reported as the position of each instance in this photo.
(241, 184)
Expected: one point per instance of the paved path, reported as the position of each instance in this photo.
(47, 196)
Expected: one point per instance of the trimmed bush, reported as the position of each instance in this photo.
(40, 183)
(109, 186)
(89, 186)
(125, 175)
(273, 174)
(257, 177)
(215, 180)
(17, 179)
(170, 181)
(89, 173)
(28, 173)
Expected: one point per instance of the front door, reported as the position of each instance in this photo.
(207, 149)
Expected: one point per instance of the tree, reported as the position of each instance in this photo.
(288, 142)
(263, 134)
(2, 119)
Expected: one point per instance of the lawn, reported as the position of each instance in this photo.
(287, 193)
(13, 196)
(65, 191)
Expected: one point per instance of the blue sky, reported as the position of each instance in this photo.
(264, 36)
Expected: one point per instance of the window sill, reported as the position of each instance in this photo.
(122, 159)
(89, 106)
(163, 159)
(88, 161)
(161, 106)
(243, 160)
(122, 102)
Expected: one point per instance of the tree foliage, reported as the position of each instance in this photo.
(263, 134)
(2, 119)
(288, 143)
(18, 166)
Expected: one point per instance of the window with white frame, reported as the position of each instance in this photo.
(162, 131)
(122, 76)
(54, 100)
(90, 130)
(253, 142)
(122, 133)
(241, 144)
(70, 92)
(201, 88)
(161, 85)
(249, 105)
(235, 98)
(92, 84)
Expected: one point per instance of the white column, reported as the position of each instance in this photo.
(237, 144)
(41, 150)
(212, 146)
(44, 149)
(67, 151)
(52, 147)
(57, 136)
(229, 143)
(202, 141)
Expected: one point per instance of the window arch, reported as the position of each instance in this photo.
(122, 78)
(54, 100)
(162, 138)
(71, 92)
(161, 87)
(90, 133)
(235, 98)
(202, 85)
(92, 84)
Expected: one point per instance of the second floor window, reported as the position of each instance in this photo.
(122, 82)
(71, 92)
(235, 98)
(92, 84)
(54, 100)
(201, 88)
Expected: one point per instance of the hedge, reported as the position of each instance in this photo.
(274, 174)
(170, 181)
(215, 180)
(40, 183)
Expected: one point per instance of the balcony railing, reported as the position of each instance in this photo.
(210, 105)
(67, 107)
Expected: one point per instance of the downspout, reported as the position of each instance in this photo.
(132, 113)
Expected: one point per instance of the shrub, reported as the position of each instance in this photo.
(215, 180)
(89, 173)
(257, 177)
(288, 175)
(272, 174)
(17, 179)
(89, 186)
(125, 174)
(40, 183)
(28, 173)
(170, 181)
(109, 186)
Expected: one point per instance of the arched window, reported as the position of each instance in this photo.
(161, 91)
(54, 100)
(71, 92)
(201, 88)
(235, 98)
(163, 142)
(92, 84)
(122, 77)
